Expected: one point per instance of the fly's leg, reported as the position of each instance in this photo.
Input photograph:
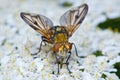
(67, 62)
(43, 40)
(38, 50)
(77, 52)
(58, 62)
(61, 62)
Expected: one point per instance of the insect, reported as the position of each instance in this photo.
(58, 36)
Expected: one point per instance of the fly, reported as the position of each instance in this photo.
(58, 36)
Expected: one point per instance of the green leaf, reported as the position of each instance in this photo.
(117, 66)
(98, 53)
(67, 4)
(3, 42)
(82, 70)
(111, 24)
(103, 76)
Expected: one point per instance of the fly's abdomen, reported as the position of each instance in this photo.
(62, 48)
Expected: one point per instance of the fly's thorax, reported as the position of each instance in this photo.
(59, 34)
(60, 38)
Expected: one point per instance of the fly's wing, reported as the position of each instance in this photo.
(73, 18)
(39, 23)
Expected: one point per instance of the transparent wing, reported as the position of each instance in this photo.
(73, 18)
(39, 23)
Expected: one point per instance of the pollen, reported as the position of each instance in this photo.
(19, 70)
(51, 56)
(116, 30)
(110, 28)
(43, 75)
(33, 63)
(47, 59)
(49, 75)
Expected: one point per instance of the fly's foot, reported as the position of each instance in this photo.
(81, 56)
(68, 67)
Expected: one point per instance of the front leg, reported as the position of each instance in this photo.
(41, 43)
(39, 49)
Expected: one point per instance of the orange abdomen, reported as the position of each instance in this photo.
(59, 47)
